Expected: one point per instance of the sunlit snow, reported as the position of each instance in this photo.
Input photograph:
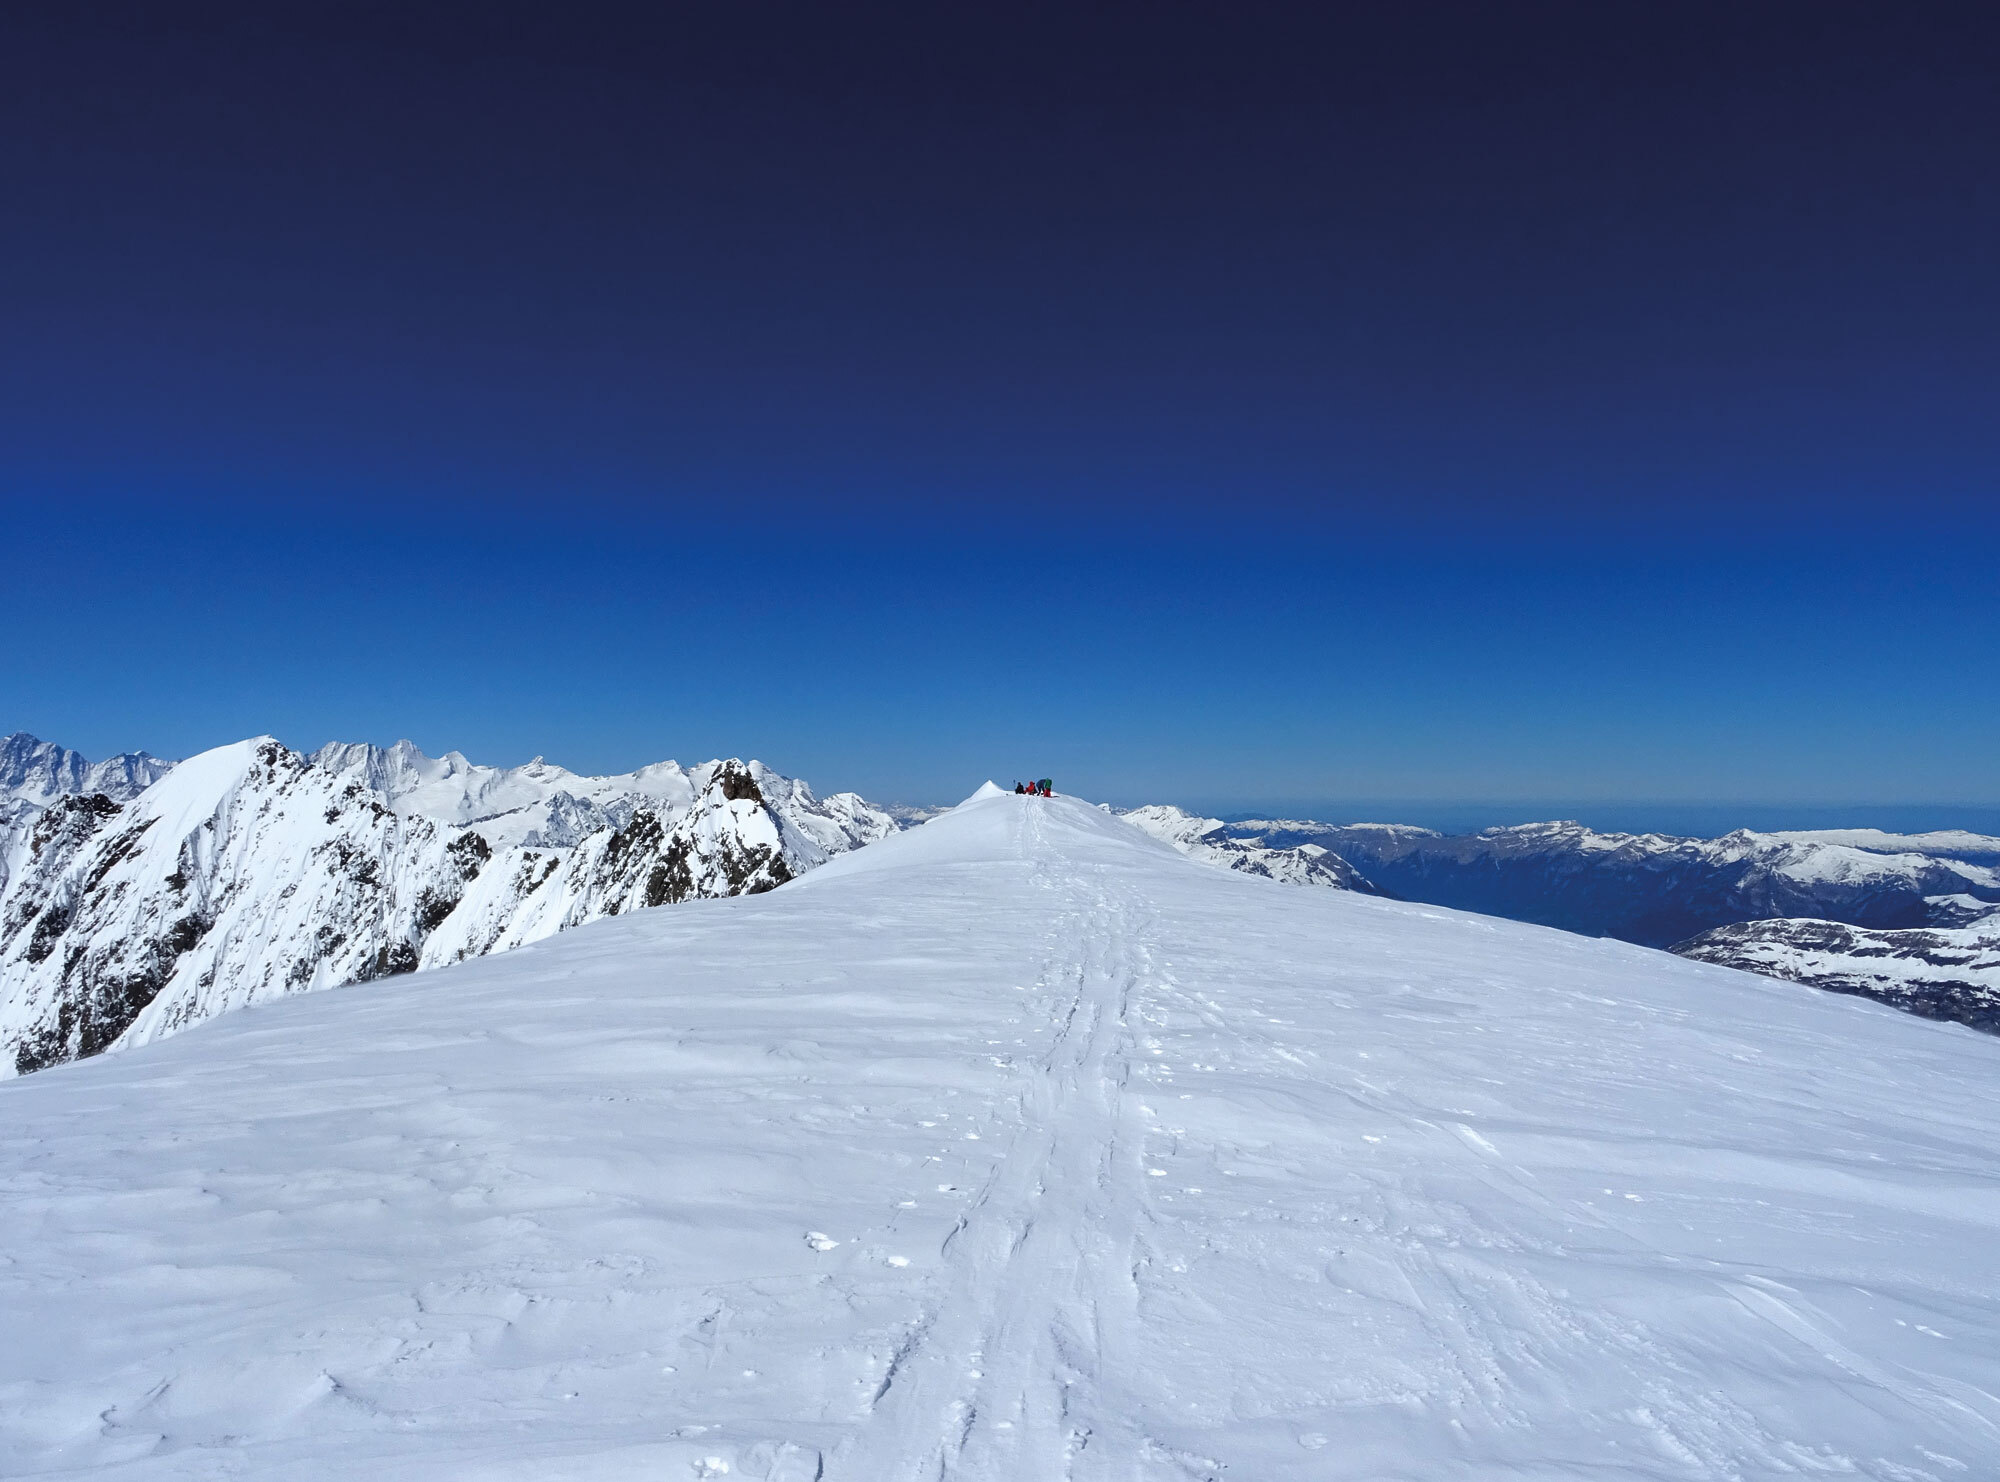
(1017, 1146)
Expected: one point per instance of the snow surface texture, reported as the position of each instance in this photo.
(251, 872)
(1016, 1147)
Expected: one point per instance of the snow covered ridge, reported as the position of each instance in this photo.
(251, 872)
(1213, 842)
(1016, 1148)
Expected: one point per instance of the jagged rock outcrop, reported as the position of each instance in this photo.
(729, 841)
(36, 774)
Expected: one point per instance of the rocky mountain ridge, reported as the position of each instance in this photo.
(359, 861)
(253, 871)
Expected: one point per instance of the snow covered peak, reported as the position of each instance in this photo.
(39, 772)
(512, 805)
(251, 871)
(447, 789)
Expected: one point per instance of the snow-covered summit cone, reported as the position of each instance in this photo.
(1017, 1146)
(1210, 841)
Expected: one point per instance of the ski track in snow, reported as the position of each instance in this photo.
(1016, 1149)
(1004, 1376)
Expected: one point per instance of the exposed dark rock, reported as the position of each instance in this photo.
(70, 820)
(737, 785)
(49, 927)
(391, 960)
(102, 995)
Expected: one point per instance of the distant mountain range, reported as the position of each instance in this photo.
(1912, 920)
(1656, 889)
(138, 896)
(1940, 972)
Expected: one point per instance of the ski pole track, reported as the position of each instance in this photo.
(1004, 1377)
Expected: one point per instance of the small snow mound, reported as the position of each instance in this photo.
(986, 790)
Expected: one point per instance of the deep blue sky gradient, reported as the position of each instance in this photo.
(1499, 405)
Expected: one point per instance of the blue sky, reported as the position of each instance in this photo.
(1222, 406)
(1237, 664)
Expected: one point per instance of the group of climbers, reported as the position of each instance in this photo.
(1042, 789)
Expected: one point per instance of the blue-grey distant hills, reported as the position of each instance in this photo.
(1658, 889)
(1911, 920)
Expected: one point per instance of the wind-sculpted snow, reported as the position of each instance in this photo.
(252, 872)
(1016, 1148)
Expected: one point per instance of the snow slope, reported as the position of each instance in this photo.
(1017, 1146)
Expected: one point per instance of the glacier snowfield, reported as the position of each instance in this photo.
(1017, 1146)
